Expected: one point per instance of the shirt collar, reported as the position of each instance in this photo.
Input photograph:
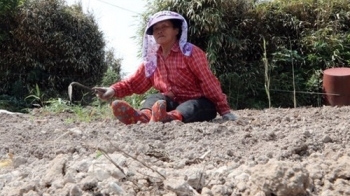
(175, 48)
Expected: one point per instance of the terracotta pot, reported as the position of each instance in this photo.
(336, 85)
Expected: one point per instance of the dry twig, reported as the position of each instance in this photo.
(144, 164)
(111, 160)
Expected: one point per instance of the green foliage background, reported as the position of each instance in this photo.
(309, 35)
(45, 45)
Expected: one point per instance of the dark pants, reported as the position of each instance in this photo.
(194, 110)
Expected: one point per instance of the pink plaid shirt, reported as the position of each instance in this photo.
(186, 77)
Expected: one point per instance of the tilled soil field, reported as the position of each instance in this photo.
(271, 152)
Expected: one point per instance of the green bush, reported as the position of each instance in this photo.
(51, 45)
(112, 74)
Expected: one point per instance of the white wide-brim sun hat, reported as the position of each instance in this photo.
(161, 16)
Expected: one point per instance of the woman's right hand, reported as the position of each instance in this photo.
(104, 93)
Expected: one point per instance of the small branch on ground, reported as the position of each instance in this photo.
(144, 164)
(111, 160)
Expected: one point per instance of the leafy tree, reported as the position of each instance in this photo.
(51, 45)
(9, 5)
(7, 9)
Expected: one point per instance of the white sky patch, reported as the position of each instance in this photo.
(116, 19)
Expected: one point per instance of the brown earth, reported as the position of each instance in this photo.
(271, 152)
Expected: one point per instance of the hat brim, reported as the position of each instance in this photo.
(149, 30)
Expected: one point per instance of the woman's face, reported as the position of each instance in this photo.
(164, 32)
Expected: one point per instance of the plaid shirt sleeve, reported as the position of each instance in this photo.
(210, 85)
(136, 83)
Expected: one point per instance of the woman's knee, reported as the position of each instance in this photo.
(197, 110)
(151, 99)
